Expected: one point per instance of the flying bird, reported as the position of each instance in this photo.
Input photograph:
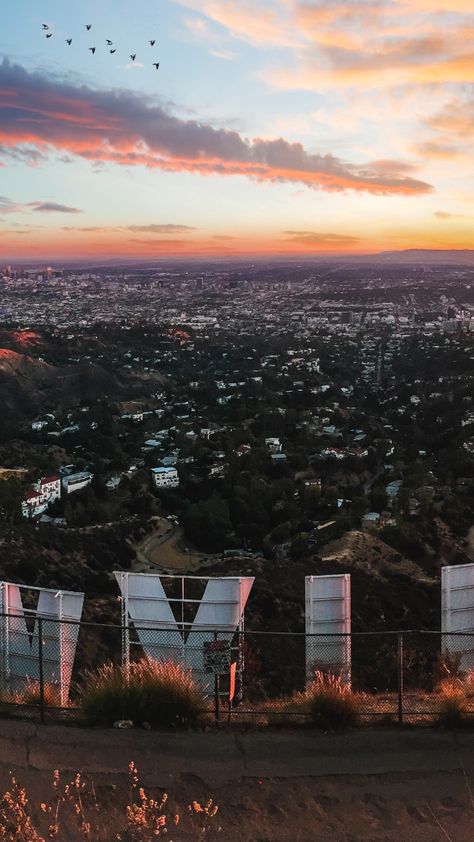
(157, 65)
(113, 51)
(152, 43)
(50, 34)
(69, 41)
(45, 26)
(133, 57)
(109, 42)
(92, 49)
(88, 26)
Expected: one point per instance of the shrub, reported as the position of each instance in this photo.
(30, 694)
(161, 693)
(453, 708)
(331, 702)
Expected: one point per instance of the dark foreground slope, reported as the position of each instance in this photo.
(365, 786)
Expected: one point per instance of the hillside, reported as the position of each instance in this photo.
(30, 386)
(68, 559)
(362, 551)
(24, 383)
(388, 591)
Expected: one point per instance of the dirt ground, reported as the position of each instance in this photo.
(164, 548)
(369, 786)
(391, 808)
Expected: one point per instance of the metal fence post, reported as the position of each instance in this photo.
(217, 711)
(41, 668)
(400, 678)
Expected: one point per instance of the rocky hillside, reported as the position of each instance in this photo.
(75, 560)
(388, 591)
(30, 386)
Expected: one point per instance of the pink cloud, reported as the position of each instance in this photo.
(130, 130)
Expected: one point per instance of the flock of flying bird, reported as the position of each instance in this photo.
(108, 42)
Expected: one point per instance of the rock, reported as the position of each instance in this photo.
(146, 726)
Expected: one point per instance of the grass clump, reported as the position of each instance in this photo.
(160, 693)
(31, 694)
(453, 705)
(331, 703)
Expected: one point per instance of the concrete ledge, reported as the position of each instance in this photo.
(228, 756)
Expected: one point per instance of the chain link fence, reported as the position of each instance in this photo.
(245, 676)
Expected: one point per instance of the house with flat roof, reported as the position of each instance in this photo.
(165, 477)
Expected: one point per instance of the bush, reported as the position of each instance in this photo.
(453, 708)
(331, 703)
(162, 694)
(30, 694)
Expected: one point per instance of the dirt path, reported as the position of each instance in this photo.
(6, 473)
(164, 549)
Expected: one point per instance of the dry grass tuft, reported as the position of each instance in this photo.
(328, 701)
(453, 704)
(30, 695)
(162, 694)
(332, 704)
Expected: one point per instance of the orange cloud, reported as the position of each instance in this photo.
(126, 129)
(320, 239)
(268, 24)
(457, 117)
(357, 42)
(453, 130)
(366, 43)
(442, 150)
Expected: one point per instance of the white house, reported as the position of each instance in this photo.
(75, 482)
(43, 492)
(42, 422)
(136, 417)
(165, 477)
(38, 425)
(273, 444)
(50, 487)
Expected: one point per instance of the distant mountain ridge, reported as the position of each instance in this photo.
(451, 256)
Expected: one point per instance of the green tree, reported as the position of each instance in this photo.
(299, 546)
(208, 523)
(11, 495)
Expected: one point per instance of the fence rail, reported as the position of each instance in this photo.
(398, 675)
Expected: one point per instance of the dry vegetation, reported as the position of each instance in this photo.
(73, 812)
(162, 694)
(366, 551)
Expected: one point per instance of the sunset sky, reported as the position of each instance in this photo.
(272, 127)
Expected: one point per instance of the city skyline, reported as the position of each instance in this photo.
(276, 128)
